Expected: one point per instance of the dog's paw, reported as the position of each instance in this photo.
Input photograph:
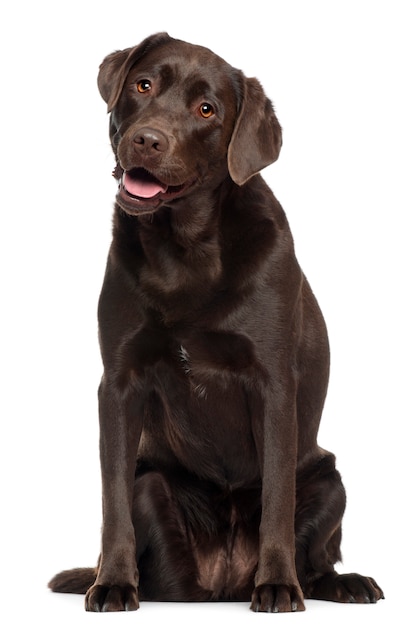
(104, 598)
(347, 588)
(277, 599)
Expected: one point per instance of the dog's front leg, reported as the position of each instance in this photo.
(116, 586)
(275, 430)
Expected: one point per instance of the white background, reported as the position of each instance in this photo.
(338, 73)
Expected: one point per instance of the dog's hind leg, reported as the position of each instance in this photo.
(167, 568)
(320, 506)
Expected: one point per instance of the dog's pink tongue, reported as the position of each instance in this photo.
(142, 184)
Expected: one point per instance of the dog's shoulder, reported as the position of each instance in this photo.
(255, 218)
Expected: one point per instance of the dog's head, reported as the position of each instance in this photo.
(182, 119)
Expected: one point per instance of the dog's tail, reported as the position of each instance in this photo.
(77, 580)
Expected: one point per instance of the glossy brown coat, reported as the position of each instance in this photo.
(215, 355)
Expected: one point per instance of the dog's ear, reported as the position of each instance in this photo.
(115, 67)
(257, 136)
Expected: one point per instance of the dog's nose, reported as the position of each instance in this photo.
(150, 140)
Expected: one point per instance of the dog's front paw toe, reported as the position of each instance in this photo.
(105, 598)
(277, 599)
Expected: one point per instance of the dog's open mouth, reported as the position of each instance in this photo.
(139, 190)
(139, 183)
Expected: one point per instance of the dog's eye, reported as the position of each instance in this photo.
(143, 85)
(206, 110)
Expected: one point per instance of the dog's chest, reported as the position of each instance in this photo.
(196, 408)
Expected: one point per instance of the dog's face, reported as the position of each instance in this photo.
(182, 121)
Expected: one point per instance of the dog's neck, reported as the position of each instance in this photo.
(180, 244)
(176, 252)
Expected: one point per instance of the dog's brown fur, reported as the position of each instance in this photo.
(215, 356)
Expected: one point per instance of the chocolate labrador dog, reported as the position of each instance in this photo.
(215, 356)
